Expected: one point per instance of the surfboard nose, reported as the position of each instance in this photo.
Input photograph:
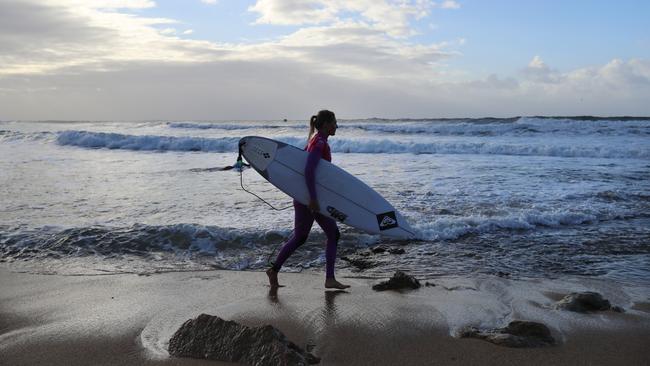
(242, 142)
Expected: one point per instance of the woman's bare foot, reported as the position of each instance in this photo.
(273, 278)
(333, 283)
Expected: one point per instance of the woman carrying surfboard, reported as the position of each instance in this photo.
(324, 124)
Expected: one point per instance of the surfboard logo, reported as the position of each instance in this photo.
(387, 220)
(259, 151)
(336, 213)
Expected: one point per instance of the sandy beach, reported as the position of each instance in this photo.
(129, 318)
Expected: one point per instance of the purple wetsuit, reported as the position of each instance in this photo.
(304, 218)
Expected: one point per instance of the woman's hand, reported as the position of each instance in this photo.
(313, 206)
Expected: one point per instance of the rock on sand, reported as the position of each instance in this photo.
(210, 337)
(518, 334)
(400, 280)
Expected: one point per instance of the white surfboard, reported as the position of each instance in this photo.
(341, 196)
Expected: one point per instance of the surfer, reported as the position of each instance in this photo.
(324, 124)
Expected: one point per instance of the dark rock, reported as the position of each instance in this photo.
(582, 302)
(400, 280)
(310, 347)
(429, 284)
(384, 249)
(518, 334)
(503, 274)
(210, 337)
(617, 309)
(360, 263)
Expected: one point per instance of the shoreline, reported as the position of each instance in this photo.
(127, 318)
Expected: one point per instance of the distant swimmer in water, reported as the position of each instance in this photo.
(324, 123)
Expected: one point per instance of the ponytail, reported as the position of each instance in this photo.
(312, 127)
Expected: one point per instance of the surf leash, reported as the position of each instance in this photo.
(239, 165)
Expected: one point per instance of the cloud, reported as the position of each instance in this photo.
(537, 70)
(351, 49)
(103, 4)
(73, 36)
(209, 2)
(391, 17)
(168, 31)
(37, 38)
(625, 78)
(450, 4)
(69, 59)
(293, 12)
(537, 64)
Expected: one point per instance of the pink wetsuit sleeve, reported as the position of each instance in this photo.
(310, 169)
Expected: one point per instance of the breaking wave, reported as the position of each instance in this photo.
(183, 240)
(450, 228)
(180, 240)
(8, 135)
(342, 145)
(98, 140)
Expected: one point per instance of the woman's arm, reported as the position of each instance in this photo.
(310, 168)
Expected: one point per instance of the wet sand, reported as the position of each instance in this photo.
(127, 319)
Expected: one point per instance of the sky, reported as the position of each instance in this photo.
(273, 59)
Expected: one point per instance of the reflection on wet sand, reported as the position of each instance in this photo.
(329, 314)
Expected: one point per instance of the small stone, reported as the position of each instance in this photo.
(311, 359)
(400, 280)
(583, 302)
(618, 309)
(429, 284)
(380, 249)
(518, 334)
(310, 347)
(360, 263)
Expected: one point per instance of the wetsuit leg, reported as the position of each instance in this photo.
(332, 232)
(303, 222)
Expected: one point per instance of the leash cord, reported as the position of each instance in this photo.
(241, 183)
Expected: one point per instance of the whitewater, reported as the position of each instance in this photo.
(528, 196)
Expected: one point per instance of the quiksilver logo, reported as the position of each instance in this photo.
(387, 220)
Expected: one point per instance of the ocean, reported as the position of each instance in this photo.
(525, 197)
